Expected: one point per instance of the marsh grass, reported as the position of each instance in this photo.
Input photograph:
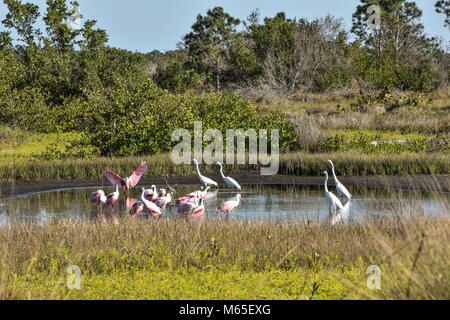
(430, 116)
(300, 164)
(217, 259)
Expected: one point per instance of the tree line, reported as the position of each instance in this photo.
(62, 79)
(282, 55)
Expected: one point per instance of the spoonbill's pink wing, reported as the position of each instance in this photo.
(198, 211)
(130, 202)
(153, 208)
(185, 207)
(161, 202)
(137, 208)
(114, 178)
(226, 206)
(138, 173)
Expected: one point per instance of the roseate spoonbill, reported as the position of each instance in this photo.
(162, 193)
(196, 194)
(228, 205)
(150, 206)
(341, 189)
(162, 202)
(187, 207)
(128, 182)
(204, 180)
(228, 180)
(98, 197)
(189, 197)
(332, 199)
(151, 194)
(202, 194)
(199, 210)
(169, 187)
(137, 208)
(113, 197)
(130, 202)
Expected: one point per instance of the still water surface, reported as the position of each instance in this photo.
(287, 203)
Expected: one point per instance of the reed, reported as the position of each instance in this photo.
(313, 257)
(300, 164)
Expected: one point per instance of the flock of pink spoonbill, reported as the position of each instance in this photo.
(153, 202)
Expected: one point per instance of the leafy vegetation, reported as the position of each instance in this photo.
(66, 97)
(281, 55)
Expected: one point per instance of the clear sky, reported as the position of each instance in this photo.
(145, 25)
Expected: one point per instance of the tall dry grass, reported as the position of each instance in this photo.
(430, 116)
(412, 251)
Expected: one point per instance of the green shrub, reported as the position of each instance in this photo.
(174, 78)
(139, 118)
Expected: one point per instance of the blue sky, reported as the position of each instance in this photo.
(144, 25)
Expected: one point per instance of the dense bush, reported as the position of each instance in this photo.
(174, 78)
(140, 119)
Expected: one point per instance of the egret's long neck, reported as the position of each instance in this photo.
(198, 170)
(221, 172)
(334, 174)
(117, 188)
(326, 183)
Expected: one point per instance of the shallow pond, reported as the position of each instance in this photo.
(285, 203)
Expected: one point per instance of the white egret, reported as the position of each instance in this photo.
(341, 216)
(204, 180)
(332, 199)
(341, 189)
(228, 180)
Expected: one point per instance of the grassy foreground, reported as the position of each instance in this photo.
(180, 259)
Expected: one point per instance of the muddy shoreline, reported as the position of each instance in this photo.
(423, 183)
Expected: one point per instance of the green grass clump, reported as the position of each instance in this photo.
(197, 284)
(354, 163)
(16, 144)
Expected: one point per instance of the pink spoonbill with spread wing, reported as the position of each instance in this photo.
(128, 182)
